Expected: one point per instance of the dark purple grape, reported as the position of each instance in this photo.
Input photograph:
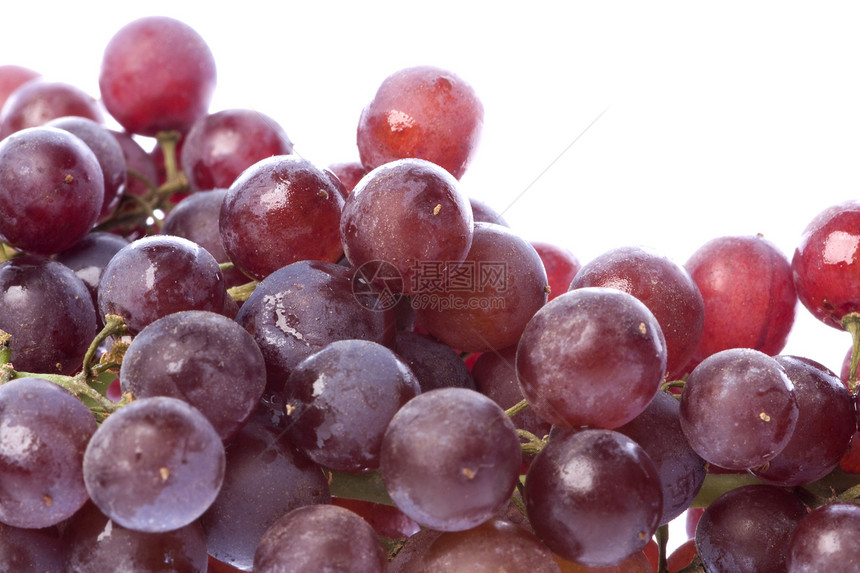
(450, 459)
(159, 275)
(593, 496)
(492, 546)
(435, 365)
(658, 431)
(320, 537)
(203, 358)
(107, 151)
(39, 101)
(44, 431)
(51, 190)
(49, 313)
(495, 375)
(664, 286)
(340, 400)
(89, 257)
(826, 540)
(592, 356)
(281, 210)
(157, 74)
(738, 409)
(195, 218)
(825, 425)
(299, 309)
(747, 530)
(409, 214)
(95, 544)
(25, 550)
(485, 302)
(154, 465)
(266, 477)
(221, 145)
(140, 166)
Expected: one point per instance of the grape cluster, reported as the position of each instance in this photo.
(218, 356)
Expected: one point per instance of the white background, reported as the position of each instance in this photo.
(714, 119)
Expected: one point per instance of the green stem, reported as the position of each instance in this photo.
(517, 408)
(362, 486)
(114, 325)
(533, 444)
(851, 323)
(241, 293)
(168, 141)
(662, 545)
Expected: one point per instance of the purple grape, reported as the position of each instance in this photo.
(738, 409)
(435, 365)
(89, 257)
(200, 357)
(592, 356)
(826, 540)
(95, 544)
(593, 496)
(320, 537)
(44, 431)
(340, 400)
(25, 550)
(49, 313)
(159, 275)
(154, 465)
(747, 529)
(39, 101)
(51, 190)
(450, 458)
(265, 478)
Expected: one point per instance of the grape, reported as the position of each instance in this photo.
(450, 458)
(747, 529)
(636, 563)
(159, 275)
(738, 409)
(495, 375)
(682, 472)
(38, 101)
(139, 164)
(825, 264)
(593, 356)
(482, 212)
(434, 364)
(44, 430)
(664, 286)
(221, 145)
(320, 537)
(826, 540)
(154, 465)
(51, 190)
(200, 357)
(492, 546)
(89, 257)
(749, 295)
(30, 550)
(12, 77)
(423, 112)
(108, 153)
(825, 425)
(49, 314)
(157, 74)
(485, 302)
(593, 496)
(302, 307)
(95, 544)
(386, 520)
(561, 266)
(411, 215)
(409, 554)
(340, 400)
(279, 211)
(265, 478)
(349, 173)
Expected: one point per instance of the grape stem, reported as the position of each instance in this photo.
(241, 293)
(517, 408)
(662, 545)
(851, 323)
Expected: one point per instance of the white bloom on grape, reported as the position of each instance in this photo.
(17, 442)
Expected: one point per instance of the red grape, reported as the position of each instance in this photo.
(89, 257)
(422, 112)
(593, 356)
(349, 173)
(26, 550)
(221, 145)
(12, 77)
(826, 540)
(749, 295)
(561, 266)
(157, 74)
(39, 101)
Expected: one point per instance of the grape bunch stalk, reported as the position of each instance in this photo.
(216, 355)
